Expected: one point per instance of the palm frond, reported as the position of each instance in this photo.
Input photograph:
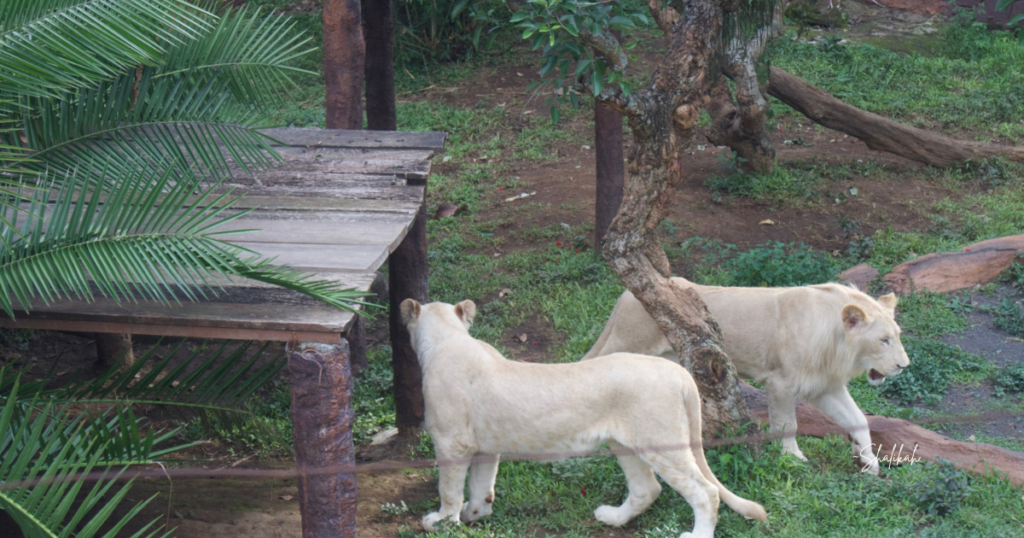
(145, 238)
(41, 496)
(50, 45)
(197, 108)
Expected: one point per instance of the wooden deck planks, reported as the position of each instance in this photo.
(336, 206)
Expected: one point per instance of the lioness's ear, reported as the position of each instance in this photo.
(853, 316)
(466, 310)
(410, 309)
(888, 301)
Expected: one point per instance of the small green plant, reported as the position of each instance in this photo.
(945, 491)
(395, 509)
(1008, 316)
(778, 264)
(1009, 380)
(929, 314)
(933, 366)
(859, 246)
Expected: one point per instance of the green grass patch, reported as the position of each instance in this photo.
(927, 314)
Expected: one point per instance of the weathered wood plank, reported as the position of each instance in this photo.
(317, 258)
(338, 233)
(241, 308)
(367, 191)
(338, 138)
(405, 164)
(176, 331)
(368, 205)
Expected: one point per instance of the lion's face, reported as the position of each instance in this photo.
(876, 337)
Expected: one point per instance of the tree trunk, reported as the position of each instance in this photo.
(380, 69)
(343, 64)
(662, 121)
(881, 133)
(610, 166)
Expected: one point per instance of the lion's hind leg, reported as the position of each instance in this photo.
(481, 488)
(643, 489)
(679, 468)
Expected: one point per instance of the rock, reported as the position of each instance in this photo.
(859, 275)
(975, 264)
(898, 440)
(446, 210)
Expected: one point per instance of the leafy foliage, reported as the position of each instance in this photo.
(933, 366)
(1009, 380)
(945, 491)
(778, 264)
(1008, 316)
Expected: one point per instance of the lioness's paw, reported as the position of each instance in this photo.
(431, 521)
(794, 451)
(871, 467)
(471, 512)
(610, 515)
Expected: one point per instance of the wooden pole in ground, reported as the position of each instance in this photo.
(113, 349)
(610, 161)
(343, 64)
(407, 270)
(379, 26)
(322, 418)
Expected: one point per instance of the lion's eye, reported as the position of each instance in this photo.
(885, 341)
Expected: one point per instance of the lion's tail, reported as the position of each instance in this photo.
(746, 508)
(598, 349)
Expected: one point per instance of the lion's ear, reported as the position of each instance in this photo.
(889, 302)
(466, 311)
(410, 309)
(853, 316)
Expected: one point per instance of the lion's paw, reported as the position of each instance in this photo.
(795, 452)
(431, 520)
(471, 513)
(871, 467)
(610, 515)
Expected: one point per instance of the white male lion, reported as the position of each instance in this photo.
(480, 405)
(803, 342)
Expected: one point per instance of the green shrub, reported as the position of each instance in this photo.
(945, 491)
(1009, 380)
(779, 264)
(933, 366)
(1008, 316)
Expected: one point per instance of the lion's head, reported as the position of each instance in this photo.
(874, 335)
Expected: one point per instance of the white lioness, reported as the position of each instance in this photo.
(480, 405)
(803, 342)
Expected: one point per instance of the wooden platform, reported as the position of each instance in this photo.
(337, 205)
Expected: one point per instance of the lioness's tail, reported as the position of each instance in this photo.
(598, 349)
(746, 508)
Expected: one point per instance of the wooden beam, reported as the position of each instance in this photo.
(379, 24)
(407, 270)
(343, 63)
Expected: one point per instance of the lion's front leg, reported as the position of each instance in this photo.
(782, 417)
(481, 488)
(451, 482)
(840, 407)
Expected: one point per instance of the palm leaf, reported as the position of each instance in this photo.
(196, 109)
(147, 238)
(49, 45)
(41, 496)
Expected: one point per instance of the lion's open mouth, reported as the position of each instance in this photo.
(875, 377)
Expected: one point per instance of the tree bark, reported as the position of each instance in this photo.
(610, 165)
(380, 69)
(662, 118)
(343, 64)
(881, 133)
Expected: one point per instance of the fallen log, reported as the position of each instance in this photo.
(896, 438)
(975, 264)
(881, 133)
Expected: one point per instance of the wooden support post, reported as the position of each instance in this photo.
(322, 419)
(407, 268)
(357, 346)
(379, 33)
(113, 349)
(610, 168)
(343, 64)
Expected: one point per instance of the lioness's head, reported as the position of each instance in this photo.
(873, 334)
(436, 316)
